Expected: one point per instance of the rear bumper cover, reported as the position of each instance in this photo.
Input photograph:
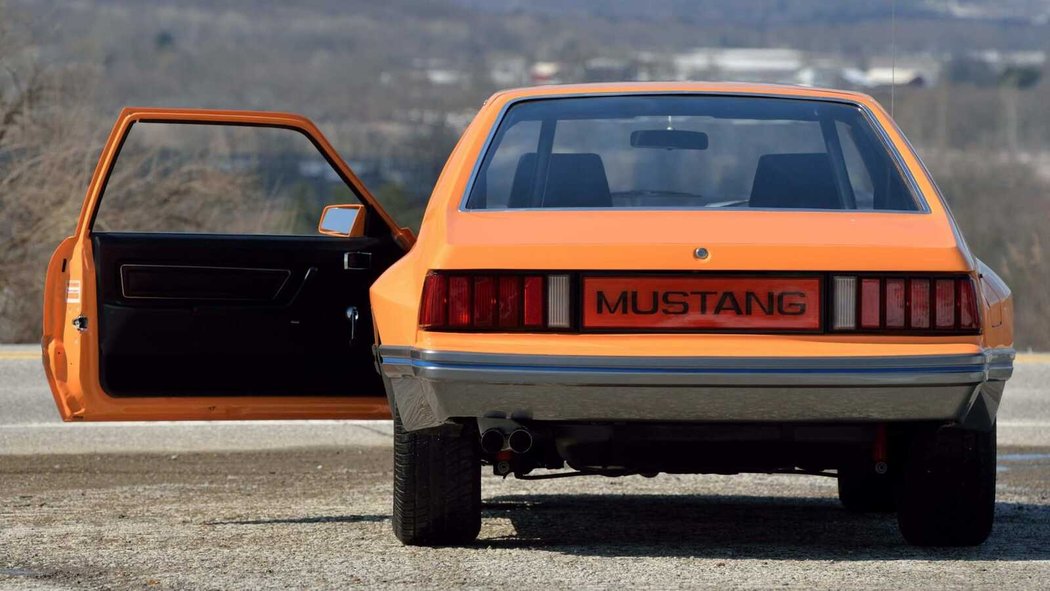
(433, 387)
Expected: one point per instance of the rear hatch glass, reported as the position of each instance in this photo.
(689, 152)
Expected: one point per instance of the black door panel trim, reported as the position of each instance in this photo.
(229, 315)
(193, 282)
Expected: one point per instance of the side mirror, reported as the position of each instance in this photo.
(345, 221)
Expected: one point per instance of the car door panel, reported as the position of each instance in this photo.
(170, 326)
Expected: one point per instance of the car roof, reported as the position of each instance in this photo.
(736, 88)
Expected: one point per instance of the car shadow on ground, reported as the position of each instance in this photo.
(736, 527)
(305, 520)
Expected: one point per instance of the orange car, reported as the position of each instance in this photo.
(611, 279)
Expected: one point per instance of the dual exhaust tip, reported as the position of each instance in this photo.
(494, 441)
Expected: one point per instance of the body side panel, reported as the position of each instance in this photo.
(998, 312)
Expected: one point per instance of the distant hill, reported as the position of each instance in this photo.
(393, 81)
(756, 12)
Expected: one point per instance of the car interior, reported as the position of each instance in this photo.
(573, 180)
(800, 181)
(781, 181)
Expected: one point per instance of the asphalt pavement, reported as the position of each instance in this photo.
(306, 505)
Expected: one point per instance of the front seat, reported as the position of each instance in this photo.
(573, 180)
(795, 181)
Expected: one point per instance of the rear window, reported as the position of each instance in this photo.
(687, 152)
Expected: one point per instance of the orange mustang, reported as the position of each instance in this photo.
(617, 279)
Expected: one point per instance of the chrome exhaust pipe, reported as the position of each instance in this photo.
(492, 441)
(520, 441)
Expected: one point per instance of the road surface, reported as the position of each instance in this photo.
(306, 505)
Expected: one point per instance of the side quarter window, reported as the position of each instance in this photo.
(870, 170)
(859, 177)
(504, 168)
(218, 179)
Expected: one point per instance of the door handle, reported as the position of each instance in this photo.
(352, 315)
(357, 261)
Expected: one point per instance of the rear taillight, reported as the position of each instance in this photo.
(494, 302)
(510, 301)
(459, 307)
(537, 301)
(919, 303)
(911, 304)
(533, 304)
(434, 308)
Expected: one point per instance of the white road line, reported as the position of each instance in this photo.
(1014, 423)
(230, 436)
(307, 423)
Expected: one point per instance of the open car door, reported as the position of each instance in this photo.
(195, 286)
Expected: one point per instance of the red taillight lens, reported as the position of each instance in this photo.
(919, 303)
(491, 302)
(534, 300)
(510, 302)
(484, 301)
(434, 308)
(908, 304)
(459, 307)
(944, 303)
(870, 303)
(968, 319)
(895, 303)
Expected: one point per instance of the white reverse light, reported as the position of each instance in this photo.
(845, 303)
(558, 301)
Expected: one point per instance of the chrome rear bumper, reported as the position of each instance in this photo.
(432, 387)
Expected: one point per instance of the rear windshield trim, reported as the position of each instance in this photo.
(883, 136)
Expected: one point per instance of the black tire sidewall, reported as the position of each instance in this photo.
(946, 496)
(437, 486)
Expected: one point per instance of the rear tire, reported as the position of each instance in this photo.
(862, 490)
(437, 486)
(947, 494)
